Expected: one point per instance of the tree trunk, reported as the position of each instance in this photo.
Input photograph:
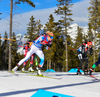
(49, 63)
(66, 56)
(10, 33)
(54, 65)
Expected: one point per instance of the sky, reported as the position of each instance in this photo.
(43, 8)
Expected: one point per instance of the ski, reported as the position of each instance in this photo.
(92, 76)
(16, 74)
(27, 72)
(95, 77)
(45, 76)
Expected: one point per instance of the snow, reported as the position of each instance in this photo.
(73, 29)
(25, 85)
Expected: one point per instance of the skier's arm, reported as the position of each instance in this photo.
(48, 45)
(38, 40)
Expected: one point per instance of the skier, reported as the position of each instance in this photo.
(26, 48)
(31, 58)
(36, 48)
(94, 66)
(82, 55)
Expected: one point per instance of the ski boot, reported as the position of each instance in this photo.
(14, 69)
(37, 68)
(78, 72)
(23, 69)
(39, 71)
(30, 69)
(90, 71)
(85, 72)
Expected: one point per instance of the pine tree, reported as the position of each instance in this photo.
(5, 50)
(33, 29)
(59, 49)
(71, 54)
(94, 15)
(64, 10)
(94, 20)
(90, 38)
(90, 33)
(49, 27)
(27, 1)
(79, 37)
(54, 55)
(78, 41)
(10, 33)
(38, 27)
(15, 57)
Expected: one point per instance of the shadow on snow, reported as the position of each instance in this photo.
(46, 88)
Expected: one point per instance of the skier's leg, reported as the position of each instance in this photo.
(94, 66)
(41, 56)
(36, 61)
(24, 64)
(30, 52)
(31, 63)
(80, 66)
(86, 66)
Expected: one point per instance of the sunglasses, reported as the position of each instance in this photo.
(51, 36)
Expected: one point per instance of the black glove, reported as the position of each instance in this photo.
(91, 51)
(49, 45)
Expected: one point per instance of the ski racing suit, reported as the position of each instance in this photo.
(36, 48)
(26, 49)
(32, 56)
(82, 55)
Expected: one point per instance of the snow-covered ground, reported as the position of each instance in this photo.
(25, 85)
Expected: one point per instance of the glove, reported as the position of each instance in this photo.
(91, 51)
(47, 47)
(80, 56)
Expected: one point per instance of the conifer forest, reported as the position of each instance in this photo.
(62, 55)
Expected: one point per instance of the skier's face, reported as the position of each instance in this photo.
(50, 38)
